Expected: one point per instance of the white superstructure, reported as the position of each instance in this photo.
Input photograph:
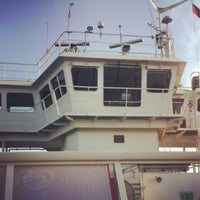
(109, 112)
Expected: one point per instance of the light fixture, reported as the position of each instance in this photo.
(89, 29)
(158, 179)
(100, 26)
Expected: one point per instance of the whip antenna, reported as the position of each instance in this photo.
(68, 26)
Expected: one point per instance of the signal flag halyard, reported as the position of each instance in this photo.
(196, 10)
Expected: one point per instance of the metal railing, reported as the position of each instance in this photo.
(101, 44)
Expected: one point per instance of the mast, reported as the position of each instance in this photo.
(159, 36)
(68, 25)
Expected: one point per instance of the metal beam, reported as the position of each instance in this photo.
(120, 181)
(103, 157)
(161, 133)
(179, 135)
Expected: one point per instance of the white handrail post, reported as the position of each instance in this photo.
(39, 69)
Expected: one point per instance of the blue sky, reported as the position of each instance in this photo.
(23, 25)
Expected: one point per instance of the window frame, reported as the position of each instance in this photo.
(79, 84)
(20, 102)
(120, 91)
(159, 86)
(58, 84)
(46, 99)
(177, 105)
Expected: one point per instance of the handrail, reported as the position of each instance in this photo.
(109, 157)
(30, 72)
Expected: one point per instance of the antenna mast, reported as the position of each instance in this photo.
(166, 20)
(68, 25)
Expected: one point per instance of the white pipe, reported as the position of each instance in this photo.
(125, 157)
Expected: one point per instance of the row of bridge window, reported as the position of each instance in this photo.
(122, 86)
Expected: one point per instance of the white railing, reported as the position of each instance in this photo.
(101, 44)
(17, 71)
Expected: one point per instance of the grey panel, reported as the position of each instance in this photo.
(66, 182)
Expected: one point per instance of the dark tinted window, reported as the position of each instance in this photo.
(122, 85)
(119, 139)
(45, 96)
(84, 78)
(59, 85)
(20, 102)
(158, 81)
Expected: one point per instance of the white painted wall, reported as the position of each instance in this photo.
(171, 186)
(102, 140)
(72, 142)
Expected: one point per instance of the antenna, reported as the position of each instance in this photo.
(124, 43)
(47, 36)
(125, 46)
(69, 18)
(164, 9)
(159, 36)
(100, 26)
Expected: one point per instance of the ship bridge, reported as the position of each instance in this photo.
(114, 98)
(107, 106)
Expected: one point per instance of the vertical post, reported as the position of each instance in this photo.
(68, 26)
(142, 186)
(85, 40)
(49, 56)
(4, 73)
(120, 181)
(44, 107)
(126, 103)
(47, 37)
(27, 73)
(39, 69)
(9, 182)
(168, 46)
(161, 35)
(120, 34)
(56, 102)
(3, 146)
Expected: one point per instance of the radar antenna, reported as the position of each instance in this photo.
(125, 46)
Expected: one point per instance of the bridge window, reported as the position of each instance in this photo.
(59, 85)
(158, 81)
(122, 85)
(20, 102)
(45, 96)
(84, 78)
